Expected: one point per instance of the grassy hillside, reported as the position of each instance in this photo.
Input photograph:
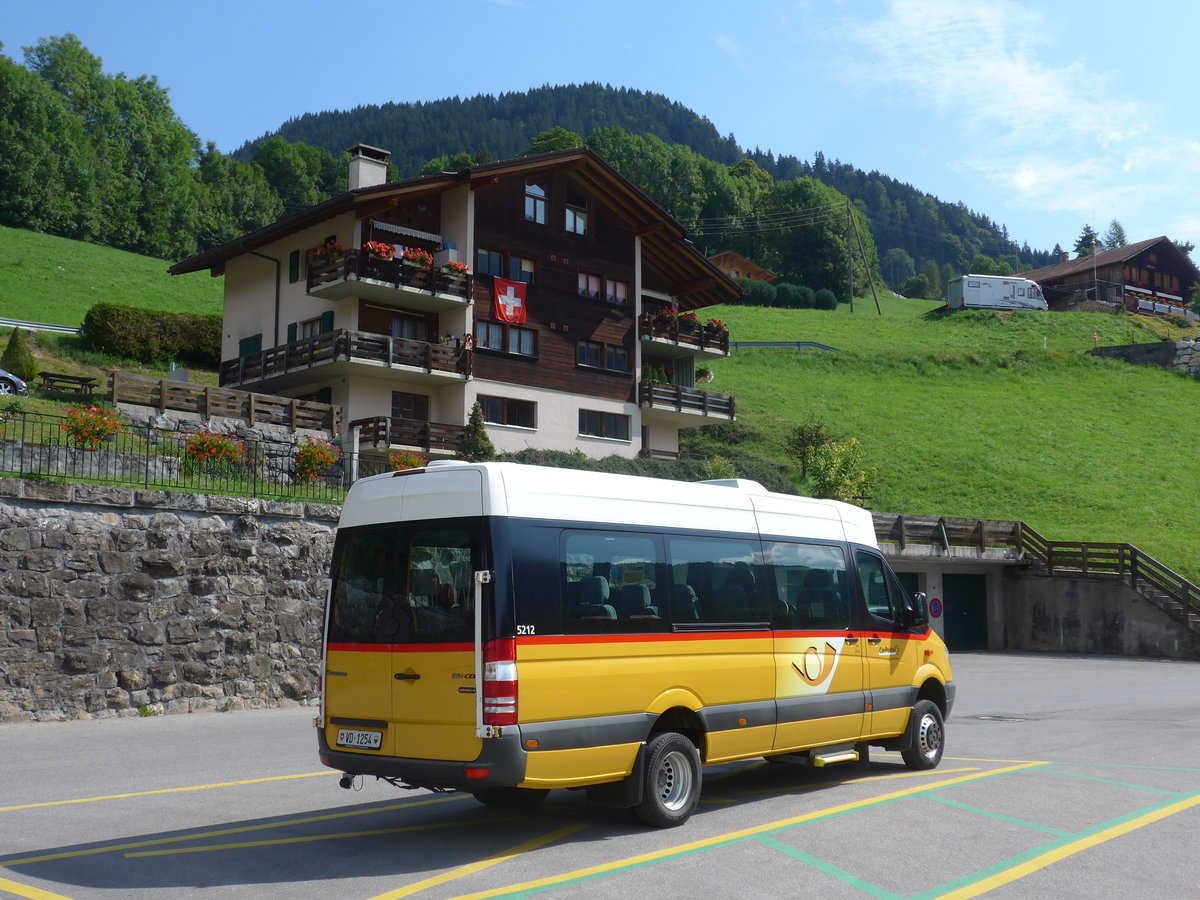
(961, 414)
(965, 414)
(54, 280)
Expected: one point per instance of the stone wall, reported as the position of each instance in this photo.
(1183, 356)
(118, 601)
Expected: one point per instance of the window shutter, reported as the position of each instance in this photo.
(327, 321)
(325, 395)
(294, 267)
(292, 333)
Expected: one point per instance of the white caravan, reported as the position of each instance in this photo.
(993, 292)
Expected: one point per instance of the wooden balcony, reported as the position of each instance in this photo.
(387, 433)
(682, 404)
(675, 338)
(389, 281)
(293, 363)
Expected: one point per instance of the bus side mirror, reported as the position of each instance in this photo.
(919, 613)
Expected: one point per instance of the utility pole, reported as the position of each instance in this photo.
(849, 254)
(851, 225)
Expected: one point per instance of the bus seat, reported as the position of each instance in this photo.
(684, 605)
(632, 600)
(593, 599)
(730, 604)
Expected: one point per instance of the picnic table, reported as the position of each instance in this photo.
(60, 382)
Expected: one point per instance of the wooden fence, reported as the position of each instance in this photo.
(163, 394)
(1067, 558)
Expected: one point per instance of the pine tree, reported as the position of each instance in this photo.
(18, 358)
(475, 445)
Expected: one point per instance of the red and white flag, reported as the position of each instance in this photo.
(509, 300)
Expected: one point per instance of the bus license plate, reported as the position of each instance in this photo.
(359, 740)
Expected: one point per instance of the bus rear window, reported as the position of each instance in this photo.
(405, 583)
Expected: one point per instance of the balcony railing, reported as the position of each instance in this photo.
(692, 334)
(356, 265)
(348, 346)
(652, 395)
(384, 432)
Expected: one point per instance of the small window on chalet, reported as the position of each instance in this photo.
(489, 262)
(613, 426)
(617, 292)
(535, 202)
(576, 213)
(506, 411)
(589, 285)
(521, 269)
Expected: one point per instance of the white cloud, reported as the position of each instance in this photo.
(1024, 112)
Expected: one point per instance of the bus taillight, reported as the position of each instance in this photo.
(500, 682)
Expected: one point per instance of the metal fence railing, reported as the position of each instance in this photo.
(49, 448)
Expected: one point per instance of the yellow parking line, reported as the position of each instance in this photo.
(221, 832)
(1058, 854)
(24, 890)
(707, 843)
(309, 838)
(828, 784)
(196, 787)
(487, 863)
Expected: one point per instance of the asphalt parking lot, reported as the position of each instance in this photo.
(1063, 776)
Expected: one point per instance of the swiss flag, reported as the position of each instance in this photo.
(509, 305)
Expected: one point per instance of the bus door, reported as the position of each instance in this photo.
(819, 672)
(891, 651)
(400, 660)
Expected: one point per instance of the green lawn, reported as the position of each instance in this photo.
(54, 280)
(966, 415)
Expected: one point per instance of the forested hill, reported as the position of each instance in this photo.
(500, 127)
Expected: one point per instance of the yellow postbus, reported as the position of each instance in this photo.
(506, 629)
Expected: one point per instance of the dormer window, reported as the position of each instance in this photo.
(576, 220)
(535, 202)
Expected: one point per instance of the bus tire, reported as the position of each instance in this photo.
(671, 781)
(927, 736)
(510, 797)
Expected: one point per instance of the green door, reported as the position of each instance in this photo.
(965, 603)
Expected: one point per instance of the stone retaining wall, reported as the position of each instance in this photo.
(1183, 356)
(118, 601)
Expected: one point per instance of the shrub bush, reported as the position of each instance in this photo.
(826, 299)
(151, 336)
(213, 455)
(314, 458)
(402, 459)
(87, 426)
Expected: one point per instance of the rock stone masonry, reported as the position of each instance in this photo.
(1187, 357)
(123, 602)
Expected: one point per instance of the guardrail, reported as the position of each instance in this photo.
(39, 326)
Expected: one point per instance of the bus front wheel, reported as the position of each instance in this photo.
(927, 736)
(671, 781)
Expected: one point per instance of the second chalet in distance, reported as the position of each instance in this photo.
(548, 289)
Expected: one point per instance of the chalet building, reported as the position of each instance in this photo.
(737, 266)
(1152, 277)
(548, 289)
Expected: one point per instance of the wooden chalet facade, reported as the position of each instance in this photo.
(1152, 277)
(735, 265)
(599, 354)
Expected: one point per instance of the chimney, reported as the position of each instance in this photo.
(368, 166)
(1065, 256)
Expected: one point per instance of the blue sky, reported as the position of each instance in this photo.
(1043, 116)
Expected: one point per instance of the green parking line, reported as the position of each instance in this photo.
(831, 870)
(998, 817)
(1125, 784)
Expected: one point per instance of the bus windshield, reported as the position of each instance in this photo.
(405, 582)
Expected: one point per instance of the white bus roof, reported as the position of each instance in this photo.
(449, 489)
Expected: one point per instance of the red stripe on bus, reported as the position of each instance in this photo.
(402, 648)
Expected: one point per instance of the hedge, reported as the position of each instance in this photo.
(151, 336)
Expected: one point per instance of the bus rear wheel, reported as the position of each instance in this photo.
(671, 781)
(510, 797)
(927, 733)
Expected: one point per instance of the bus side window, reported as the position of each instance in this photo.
(716, 578)
(873, 580)
(612, 582)
(810, 586)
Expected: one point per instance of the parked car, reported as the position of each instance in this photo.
(11, 384)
